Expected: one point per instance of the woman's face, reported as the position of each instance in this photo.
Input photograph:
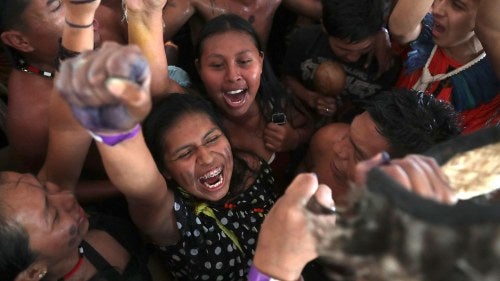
(230, 66)
(198, 157)
(454, 21)
(54, 221)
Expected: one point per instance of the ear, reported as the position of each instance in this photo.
(16, 40)
(34, 272)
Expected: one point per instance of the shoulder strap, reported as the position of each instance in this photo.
(104, 269)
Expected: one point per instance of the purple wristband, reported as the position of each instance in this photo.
(114, 139)
(256, 275)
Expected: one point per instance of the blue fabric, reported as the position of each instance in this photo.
(474, 86)
(421, 47)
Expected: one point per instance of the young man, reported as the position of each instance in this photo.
(351, 34)
(396, 121)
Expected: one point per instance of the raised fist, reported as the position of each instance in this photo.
(107, 89)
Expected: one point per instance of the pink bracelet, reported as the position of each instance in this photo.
(115, 139)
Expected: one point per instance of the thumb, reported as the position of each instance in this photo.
(302, 187)
(131, 95)
(364, 167)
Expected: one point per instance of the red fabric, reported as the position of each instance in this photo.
(484, 115)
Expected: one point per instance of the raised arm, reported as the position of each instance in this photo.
(145, 29)
(308, 8)
(488, 30)
(175, 15)
(68, 142)
(287, 242)
(405, 19)
(108, 92)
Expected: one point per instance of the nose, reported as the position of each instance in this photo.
(233, 72)
(437, 7)
(204, 156)
(65, 200)
(341, 148)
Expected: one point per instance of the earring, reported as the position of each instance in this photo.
(42, 274)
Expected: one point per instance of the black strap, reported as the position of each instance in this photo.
(104, 269)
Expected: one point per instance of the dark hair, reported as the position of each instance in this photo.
(15, 253)
(11, 13)
(271, 96)
(412, 121)
(352, 20)
(167, 112)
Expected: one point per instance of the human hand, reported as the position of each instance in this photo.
(280, 137)
(418, 173)
(107, 89)
(145, 5)
(286, 243)
(326, 106)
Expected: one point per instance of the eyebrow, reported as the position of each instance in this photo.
(189, 145)
(357, 149)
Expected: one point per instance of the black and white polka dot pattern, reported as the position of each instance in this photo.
(205, 252)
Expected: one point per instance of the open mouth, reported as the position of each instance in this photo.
(213, 179)
(437, 29)
(236, 97)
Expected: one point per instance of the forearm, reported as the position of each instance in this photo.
(67, 147)
(145, 29)
(299, 90)
(405, 19)
(131, 168)
(78, 39)
(488, 30)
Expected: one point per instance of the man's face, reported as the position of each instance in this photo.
(351, 144)
(44, 21)
(351, 51)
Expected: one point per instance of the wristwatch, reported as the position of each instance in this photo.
(256, 275)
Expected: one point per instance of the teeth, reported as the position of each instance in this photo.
(235, 92)
(215, 184)
(212, 173)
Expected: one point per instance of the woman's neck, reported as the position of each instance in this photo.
(465, 52)
(251, 119)
(72, 264)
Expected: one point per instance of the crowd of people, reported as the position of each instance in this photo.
(111, 154)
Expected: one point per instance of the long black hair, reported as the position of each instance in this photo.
(271, 95)
(167, 112)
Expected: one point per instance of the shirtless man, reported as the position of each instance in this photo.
(31, 31)
(258, 12)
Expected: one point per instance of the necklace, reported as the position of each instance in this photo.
(75, 268)
(426, 78)
(26, 67)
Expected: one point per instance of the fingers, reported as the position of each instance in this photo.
(302, 187)
(362, 168)
(321, 203)
(274, 136)
(137, 101)
(326, 106)
(421, 175)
